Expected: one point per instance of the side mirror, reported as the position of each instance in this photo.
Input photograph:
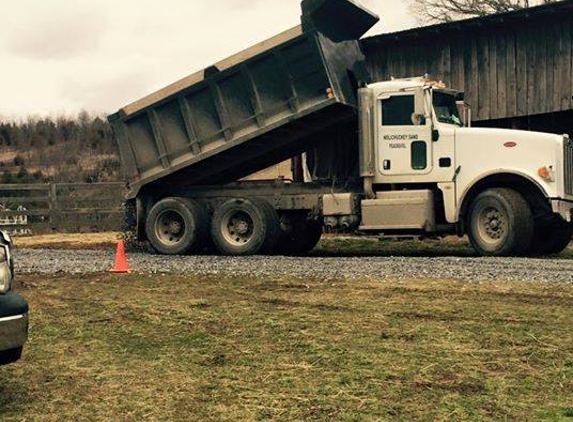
(418, 119)
(465, 113)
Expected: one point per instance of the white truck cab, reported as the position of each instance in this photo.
(510, 190)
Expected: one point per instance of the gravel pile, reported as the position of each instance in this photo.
(471, 269)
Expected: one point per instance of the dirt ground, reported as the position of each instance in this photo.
(331, 244)
(68, 241)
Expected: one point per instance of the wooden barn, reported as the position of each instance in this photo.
(516, 68)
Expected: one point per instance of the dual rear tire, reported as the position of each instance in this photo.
(245, 227)
(238, 227)
(298, 234)
(177, 226)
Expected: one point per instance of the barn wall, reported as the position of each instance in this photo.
(507, 69)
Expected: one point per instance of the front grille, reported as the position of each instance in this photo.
(568, 165)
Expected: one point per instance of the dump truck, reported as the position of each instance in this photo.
(388, 158)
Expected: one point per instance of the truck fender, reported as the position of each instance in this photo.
(517, 180)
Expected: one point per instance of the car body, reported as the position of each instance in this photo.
(13, 308)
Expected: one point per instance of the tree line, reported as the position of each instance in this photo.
(438, 11)
(61, 149)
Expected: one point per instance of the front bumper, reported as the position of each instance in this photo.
(564, 208)
(13, 326)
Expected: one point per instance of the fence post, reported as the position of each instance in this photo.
(53, 203)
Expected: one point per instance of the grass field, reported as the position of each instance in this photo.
(214, 349)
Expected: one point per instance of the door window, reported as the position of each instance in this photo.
(398, 110)
(419, 155)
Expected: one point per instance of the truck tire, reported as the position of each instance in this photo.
(11, 356)
(177, 226)
(500, 223)
(245, 226)
(551, 237)
(298, 236)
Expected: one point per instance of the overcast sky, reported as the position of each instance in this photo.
(62, 56)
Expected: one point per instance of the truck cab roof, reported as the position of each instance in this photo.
(396, 85)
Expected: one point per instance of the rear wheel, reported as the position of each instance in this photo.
(298, 235)
(245, 227)
(500, 223)
(551, 237)
(176, 226)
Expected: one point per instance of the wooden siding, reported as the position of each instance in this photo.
(507, 69)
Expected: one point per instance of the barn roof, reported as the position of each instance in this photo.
(490, 21)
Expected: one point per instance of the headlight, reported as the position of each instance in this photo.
(5, 269)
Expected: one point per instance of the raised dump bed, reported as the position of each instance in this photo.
(252, 110)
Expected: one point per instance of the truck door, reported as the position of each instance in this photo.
(405, 145)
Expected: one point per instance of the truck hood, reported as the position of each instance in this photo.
(481, 152)
(507, 136)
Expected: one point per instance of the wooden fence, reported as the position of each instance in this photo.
(61, 207)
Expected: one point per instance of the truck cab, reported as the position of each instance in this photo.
(416, 135)
(13, 308)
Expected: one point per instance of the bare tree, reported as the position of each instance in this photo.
(436, 11)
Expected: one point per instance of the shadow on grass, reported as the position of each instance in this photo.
(373, 247)
(356, 247)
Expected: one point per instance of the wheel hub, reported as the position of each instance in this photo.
(175, 227)
(494, 224)
(241, 227)
(170, 227)
(238, 228)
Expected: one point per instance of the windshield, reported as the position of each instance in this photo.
(446, 109)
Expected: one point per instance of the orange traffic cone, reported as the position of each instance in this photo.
(121, 264)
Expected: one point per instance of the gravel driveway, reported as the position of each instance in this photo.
(471, 269)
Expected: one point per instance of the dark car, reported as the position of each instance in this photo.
(13, 308)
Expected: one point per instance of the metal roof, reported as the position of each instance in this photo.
(537, 12)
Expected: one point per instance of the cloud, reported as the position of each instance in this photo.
(107, 93)
(56, 36)
(242, 4)
(98, 55)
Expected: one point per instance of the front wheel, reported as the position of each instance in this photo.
(500, 223)
(551, 237)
